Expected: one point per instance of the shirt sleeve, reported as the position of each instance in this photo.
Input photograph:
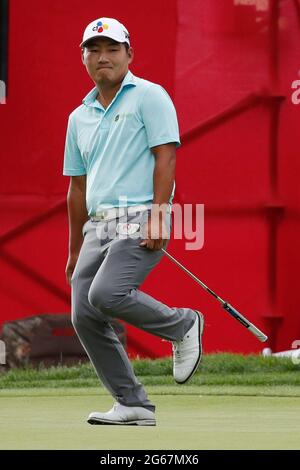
(159, 117)
(73, 162)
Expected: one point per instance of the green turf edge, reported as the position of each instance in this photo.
(268, 379)
(215, 370)
(253, 391)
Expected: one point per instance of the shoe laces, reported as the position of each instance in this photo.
(175, 348)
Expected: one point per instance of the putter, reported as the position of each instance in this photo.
(229, 308)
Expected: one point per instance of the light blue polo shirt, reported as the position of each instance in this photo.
(112, 146)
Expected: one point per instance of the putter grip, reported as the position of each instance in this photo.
(239, 317)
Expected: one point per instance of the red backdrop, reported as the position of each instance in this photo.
(229, 67)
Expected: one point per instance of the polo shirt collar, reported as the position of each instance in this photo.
(128, 80)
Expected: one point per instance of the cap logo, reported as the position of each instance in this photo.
(100, 27)
(126, 34)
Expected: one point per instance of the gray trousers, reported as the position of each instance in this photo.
(105, 285)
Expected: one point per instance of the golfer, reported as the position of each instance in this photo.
(120, 155)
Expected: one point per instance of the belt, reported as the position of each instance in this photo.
(115, 212)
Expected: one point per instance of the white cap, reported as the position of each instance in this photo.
(106, 27)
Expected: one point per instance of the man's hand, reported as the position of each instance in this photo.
(155, 233)
(71, 263)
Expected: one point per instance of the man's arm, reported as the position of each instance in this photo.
(77, 213)
(163, 181)
(164, 172)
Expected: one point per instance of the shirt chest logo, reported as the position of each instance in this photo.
(122, 116)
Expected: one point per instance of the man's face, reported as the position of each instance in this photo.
(106, 60)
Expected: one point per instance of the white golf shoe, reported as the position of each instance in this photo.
(187, 352)
(120, 414)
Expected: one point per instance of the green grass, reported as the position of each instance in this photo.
(232, 402)
(58, 421)
(216, 370)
